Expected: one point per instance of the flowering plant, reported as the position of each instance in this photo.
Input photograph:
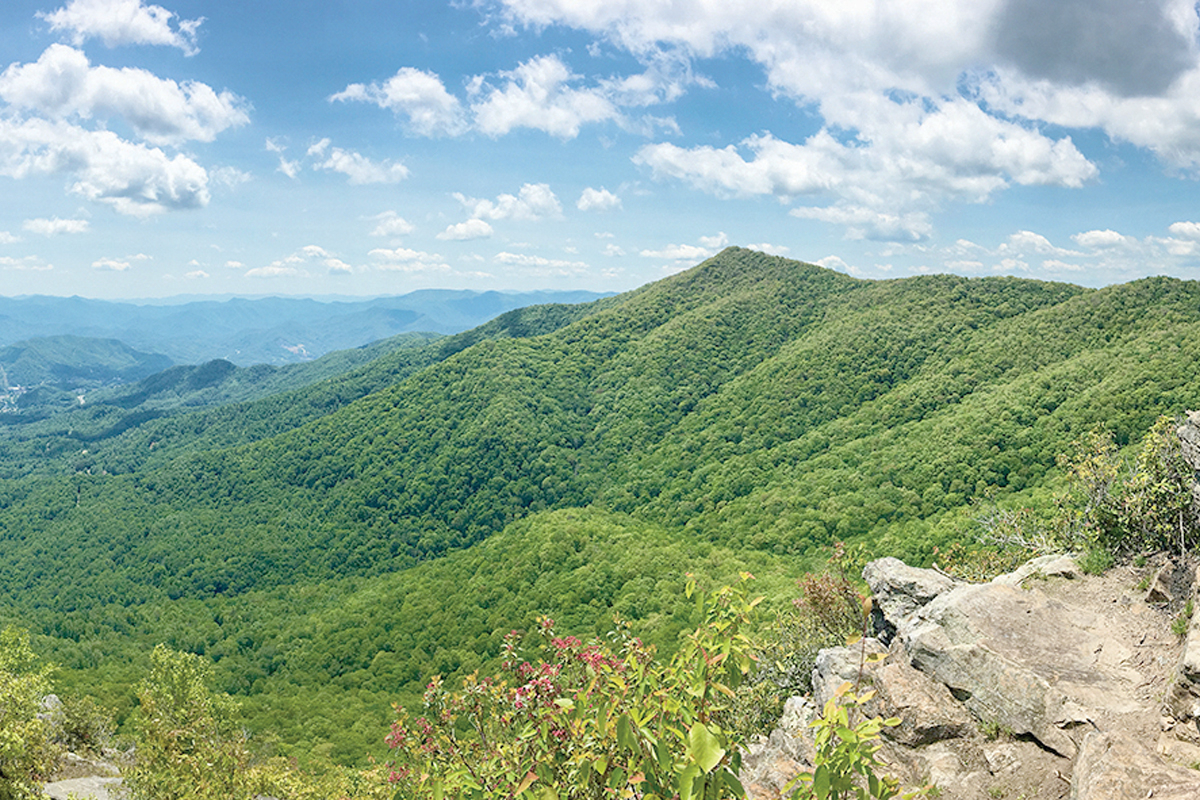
(574, 719)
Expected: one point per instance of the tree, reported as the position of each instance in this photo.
(26, 755)
(188, 745)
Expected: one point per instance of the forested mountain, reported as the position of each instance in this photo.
(332, 544)
(74, 362)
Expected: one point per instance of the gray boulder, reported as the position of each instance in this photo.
(1113, 766)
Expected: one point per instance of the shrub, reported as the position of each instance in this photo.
(188, 747)
(575, 719)
(845, 763)
(26, 755)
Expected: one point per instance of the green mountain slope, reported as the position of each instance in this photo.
(73, 362)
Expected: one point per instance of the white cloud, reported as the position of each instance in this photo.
(110, 265)
(294, 265)
(118, 22)
(905, 160)
(613, 250)
(533, 202)
(770, 249)
(907, 93)
(597, 200)
(1030, 242)
(833, 262)
(389, 223)
(709, 245)
(402, 259)
(462, 231)
(291, 168)
(52, 227)
(538, 95)
(338, 267)
(1013, 265)
(420, 96)
(132, 178)
(27, 264)
(865, 223)
(8, 238)
(1188, 230)
(196, 274)
(1054, 265)
(357, 167)
(540, 265)
(1100, 240)
(275, 270)
(62, 84)
(231, 265)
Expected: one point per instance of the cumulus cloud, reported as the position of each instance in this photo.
(291, 168)
(53, 227)
(539, 94)
(597, 200)
(297, 264)
(196, 274)
(539, 265)
(708, 247)
(27, 264)
(119, 22)
(935, 101)
(770, 249)
(8, 238)
(355, 166)
(534, 201)
(1099, 240)
(62, 84)
(1030, 242)
(402, 259)
(111, 265)
(1188, 230)
(905, 160)
(132, 178)
(389, 223)
(470, 229)
(419, 96)
(542, 93)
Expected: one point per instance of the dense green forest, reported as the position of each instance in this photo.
(331, 537)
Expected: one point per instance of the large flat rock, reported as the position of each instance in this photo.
(1024, 661)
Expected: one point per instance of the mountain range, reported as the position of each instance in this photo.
(332, 537)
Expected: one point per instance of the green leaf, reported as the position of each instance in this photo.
(686, 780)
(625, 735)
(704, 748)
(821, 782)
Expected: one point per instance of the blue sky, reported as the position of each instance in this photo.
(366, 147)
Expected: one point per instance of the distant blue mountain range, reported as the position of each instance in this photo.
(273, 330)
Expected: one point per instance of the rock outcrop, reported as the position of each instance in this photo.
(1044, 683)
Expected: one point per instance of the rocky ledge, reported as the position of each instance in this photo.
(1043, 683)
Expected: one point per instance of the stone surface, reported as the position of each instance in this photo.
(771, 762)
(1184, 697)
(899, 590)
(94, 788)
(926, 709)
(1114, 766)
(1052, 566)
(1002, 688)
(837, 665)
